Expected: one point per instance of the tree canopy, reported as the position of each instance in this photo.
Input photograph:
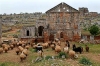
(94, 30)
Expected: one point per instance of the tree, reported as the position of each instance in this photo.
(94, 30)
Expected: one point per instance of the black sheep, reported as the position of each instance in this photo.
(39, 48)
(77, 49)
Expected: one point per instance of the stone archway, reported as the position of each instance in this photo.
(40, 30)
(27, 32)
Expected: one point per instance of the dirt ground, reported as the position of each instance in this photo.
(12, 57)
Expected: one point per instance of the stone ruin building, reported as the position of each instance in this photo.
(62, 21)
(0, 30)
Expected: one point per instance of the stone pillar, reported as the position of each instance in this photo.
(65, 36)
(46, 37)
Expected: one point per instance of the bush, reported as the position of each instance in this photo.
(62, 55)
(33, 50)
(48, 57)
(85, 61)
(15, 36)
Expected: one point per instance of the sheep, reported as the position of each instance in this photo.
(45, 45)
(53, 47)
(4, 45)
(86, 48)
(57, 48)
(65, 49)
(11, 46)
(17, 51)
(6, 49)
(39, 50)
(71, 54)
(1, 50)
(34, 46)
(26, 47)
(20, 48)
(58, 43)
(25, 51)
(78, 49)
(22, 56)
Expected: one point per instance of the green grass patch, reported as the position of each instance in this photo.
(85, 61)
(8, 64)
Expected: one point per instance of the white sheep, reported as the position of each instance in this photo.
(65, 49)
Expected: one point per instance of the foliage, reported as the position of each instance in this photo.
(61, 54)
(94, 30)
(85, 61)
(48, 57)
(8, 64)
(15, 36)
(32, 50)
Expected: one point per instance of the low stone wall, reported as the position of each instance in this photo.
(6, 30)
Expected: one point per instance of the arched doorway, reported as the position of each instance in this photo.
(27, 32)
(40, 30)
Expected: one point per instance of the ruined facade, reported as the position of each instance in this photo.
(62, 21)
(0, 30)
(83, 11)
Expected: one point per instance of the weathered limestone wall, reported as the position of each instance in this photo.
(0, 31)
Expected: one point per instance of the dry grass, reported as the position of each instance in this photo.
(11, 59)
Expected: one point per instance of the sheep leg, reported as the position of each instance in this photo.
(5, 51)
(17, 52)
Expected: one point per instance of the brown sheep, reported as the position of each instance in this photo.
(6, 49)
(22, 56)
(1, 50)
(86, 48)
(4, 45)
(26, 47)
(45, 45)
(25, 51)
(20, 48)
(34, 46)
(72, 54)
(53, 47)
(17, 51)
(11, 46)
(57, 48)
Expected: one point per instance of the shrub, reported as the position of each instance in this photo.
(85, 61)
(32, 50)
(62, 54)
(48, 57)
(15, 36)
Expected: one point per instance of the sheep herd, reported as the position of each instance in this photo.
(22, 48)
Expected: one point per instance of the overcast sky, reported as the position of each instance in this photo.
(30, 6)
